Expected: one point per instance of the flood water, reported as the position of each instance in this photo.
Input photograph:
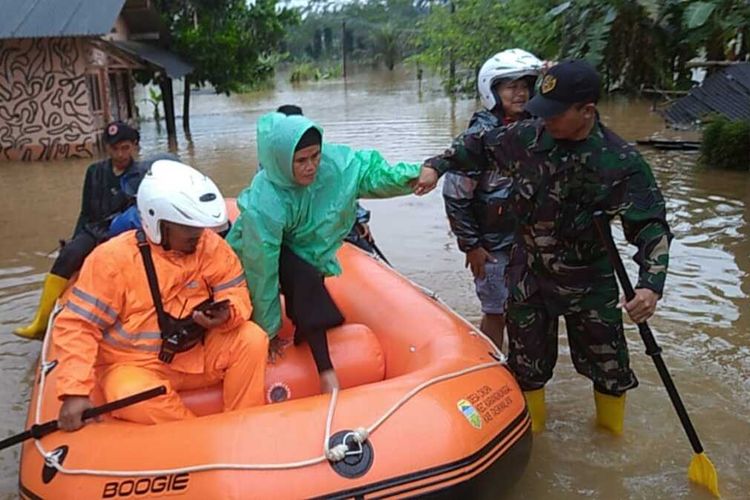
(702, 323)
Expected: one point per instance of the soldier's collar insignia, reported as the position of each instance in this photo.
(548, 84)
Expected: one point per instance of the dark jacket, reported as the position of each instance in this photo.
(473, 199)
(102, 198)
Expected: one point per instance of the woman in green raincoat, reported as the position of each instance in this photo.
(295, 215)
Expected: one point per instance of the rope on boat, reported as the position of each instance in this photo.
(331, 454)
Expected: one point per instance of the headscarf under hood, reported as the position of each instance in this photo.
(277, 138)
(312, 220)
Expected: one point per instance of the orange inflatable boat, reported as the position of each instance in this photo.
(427, 406)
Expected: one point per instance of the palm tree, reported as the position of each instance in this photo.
(387, 46)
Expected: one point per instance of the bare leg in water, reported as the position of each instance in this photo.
(493, 325)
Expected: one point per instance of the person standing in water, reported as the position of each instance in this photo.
(565, 166)
(473, 199)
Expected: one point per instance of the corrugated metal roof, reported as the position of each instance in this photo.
(170, 62)
(53, 18)
(726, 92)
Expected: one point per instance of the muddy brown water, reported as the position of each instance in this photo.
(703, 321)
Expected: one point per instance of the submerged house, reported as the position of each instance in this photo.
(726, 93)
(66, 70)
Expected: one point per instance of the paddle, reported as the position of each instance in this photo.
(369, 241)
(377, 251)
(701, 470)
(38, 431)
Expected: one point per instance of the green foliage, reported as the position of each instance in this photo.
(307, 71)
(154, 98)
(634, 43)
(377, 31)
(726, 144)
(387, 45)
(476, 29)
(304, 72)
(231, 43)
(617, 37)
(716, 27)
(698, 13)
(648, 42)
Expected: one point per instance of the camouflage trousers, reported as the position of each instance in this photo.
(595, 336)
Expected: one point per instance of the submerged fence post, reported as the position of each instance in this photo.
(343, 47)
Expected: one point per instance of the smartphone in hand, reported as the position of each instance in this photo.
(213, 308)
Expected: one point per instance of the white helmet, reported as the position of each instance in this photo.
(508, 64)
(175, 192)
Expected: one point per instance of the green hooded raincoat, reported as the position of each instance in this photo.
(311, 220)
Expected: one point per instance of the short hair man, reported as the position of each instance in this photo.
(103, 197)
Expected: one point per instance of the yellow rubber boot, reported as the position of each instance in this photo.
(535, 404)
(53, 288)
(610, 411)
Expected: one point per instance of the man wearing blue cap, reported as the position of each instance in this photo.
(565, 165)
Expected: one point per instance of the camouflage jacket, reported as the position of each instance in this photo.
(557, 185)
(472, 199)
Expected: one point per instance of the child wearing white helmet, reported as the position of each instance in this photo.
(473, 202)
(514, 68)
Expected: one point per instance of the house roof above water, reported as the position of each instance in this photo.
(171, 63)
(726, 92)
(57, 18)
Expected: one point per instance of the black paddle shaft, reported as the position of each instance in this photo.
(40, 430)
(377, 251)
(652, 348)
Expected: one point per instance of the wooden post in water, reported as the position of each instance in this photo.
(186, 105)
(165, 83)
(452, 63)
(343, 48)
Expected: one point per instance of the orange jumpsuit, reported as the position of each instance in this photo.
(109, 328)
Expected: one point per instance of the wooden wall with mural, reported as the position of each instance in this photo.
(57, 94)
(44, 101)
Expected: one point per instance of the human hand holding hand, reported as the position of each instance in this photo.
(71, 413)
(426, 182)
(642, 306)
(476, 259)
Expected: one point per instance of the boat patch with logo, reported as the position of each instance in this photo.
(471, 413)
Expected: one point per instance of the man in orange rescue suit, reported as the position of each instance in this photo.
(113, 331)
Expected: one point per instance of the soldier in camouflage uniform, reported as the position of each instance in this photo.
(565, 165)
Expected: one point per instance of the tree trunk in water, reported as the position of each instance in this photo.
(452, 62)
(168, 101)
(343, 48)
(186, 106)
